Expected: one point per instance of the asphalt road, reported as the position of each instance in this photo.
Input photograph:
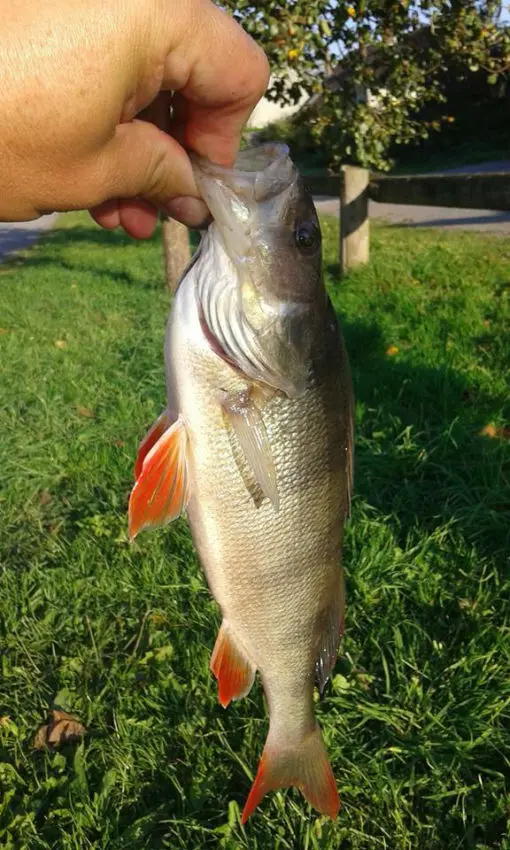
(490, 221)
(15, 236)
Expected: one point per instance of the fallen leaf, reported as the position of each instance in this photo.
(5, 720)
(61, 343)
(119, 443)
(488, 431)
(4, 330)
(63, 728)
(86, 411)
(40, 738)
(45, 497)
(493, 432)
(391, 351)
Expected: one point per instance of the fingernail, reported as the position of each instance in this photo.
(189, 211)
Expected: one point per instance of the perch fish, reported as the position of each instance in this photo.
(256, 446)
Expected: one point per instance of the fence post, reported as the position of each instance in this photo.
(354, 225)
(176, 250)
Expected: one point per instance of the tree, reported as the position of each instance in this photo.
(390, 58)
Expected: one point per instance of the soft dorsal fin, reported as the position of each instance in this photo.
(161, 490)
(332, 622)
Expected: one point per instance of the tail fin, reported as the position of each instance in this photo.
(306, 766)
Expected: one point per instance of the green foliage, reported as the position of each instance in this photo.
(416, 718)
(393, 57)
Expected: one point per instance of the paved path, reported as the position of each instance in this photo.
(17, 235)
(446, 217)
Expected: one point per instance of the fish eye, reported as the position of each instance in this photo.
(307, 235)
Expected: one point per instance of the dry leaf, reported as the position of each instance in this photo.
(4, 330)
(391, 351)
(493, 432)
(61, 343)
(45, 497)
(5, 720)
(63, 728)
(488, 431)
(40, 738)
(86, 411)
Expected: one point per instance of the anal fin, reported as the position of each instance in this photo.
(233, 670)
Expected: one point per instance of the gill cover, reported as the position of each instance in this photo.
(255, 295)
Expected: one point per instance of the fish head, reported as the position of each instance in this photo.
(266, 225)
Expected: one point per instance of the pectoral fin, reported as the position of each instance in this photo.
(161, 490)
(248, 424)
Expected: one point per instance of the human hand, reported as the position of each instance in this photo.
(84, 114)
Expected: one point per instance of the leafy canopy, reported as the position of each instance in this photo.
(397, 51)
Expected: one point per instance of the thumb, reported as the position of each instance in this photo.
(142, 161)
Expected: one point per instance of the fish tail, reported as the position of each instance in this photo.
(304, 765)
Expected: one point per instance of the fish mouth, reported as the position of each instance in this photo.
(258, 174)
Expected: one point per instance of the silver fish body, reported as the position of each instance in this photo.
(258, 381)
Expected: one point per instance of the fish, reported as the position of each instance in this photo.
(255, 446)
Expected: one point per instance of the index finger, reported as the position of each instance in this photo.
(219, 74)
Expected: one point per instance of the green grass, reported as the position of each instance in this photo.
(417, 716)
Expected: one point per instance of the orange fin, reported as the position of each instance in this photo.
(161, 490)
(233, 670)
(151, 438)
(305, 765)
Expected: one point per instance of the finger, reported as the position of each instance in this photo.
(220, 74)
(138, 218)
(141, 161)
(188, 211)
(106, 214)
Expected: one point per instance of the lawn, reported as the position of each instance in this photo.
(417, 716)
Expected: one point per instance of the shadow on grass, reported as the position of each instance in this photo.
(419, 452)
(50, 252)
(54, 241)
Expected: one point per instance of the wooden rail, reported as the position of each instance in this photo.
(354, 187)
(489, 191)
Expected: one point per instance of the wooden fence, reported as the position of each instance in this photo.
(355, 187)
